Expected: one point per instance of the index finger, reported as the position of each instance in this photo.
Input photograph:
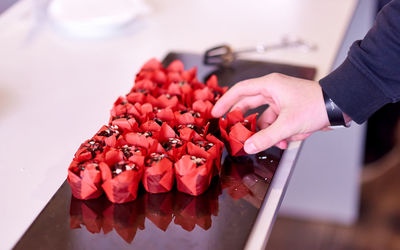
(233, 95)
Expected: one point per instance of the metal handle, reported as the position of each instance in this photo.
(224, 54)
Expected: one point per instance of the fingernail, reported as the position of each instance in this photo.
(250, 148)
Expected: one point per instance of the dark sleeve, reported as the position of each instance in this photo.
(370, 76)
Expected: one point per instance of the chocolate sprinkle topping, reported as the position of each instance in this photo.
(172, 143)
(126, 150)
(113, 129)
(94, 147)
(121, 167)
(154, 158)
(106, 133)
(246, 123)
(198, 160)
(194, 114)
(125, 115)
(147, 133)
(198, 129)
(205, 145)
(158, 121)
(82, 165)
(144, 91)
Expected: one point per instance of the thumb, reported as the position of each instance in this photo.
(266, 138)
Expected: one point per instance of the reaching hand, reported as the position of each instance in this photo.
(296, 109)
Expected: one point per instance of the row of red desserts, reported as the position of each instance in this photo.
(157, 133)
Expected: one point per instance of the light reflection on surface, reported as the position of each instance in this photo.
(245, 177)
(102, 216)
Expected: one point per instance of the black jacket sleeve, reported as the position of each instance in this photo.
(370, 76)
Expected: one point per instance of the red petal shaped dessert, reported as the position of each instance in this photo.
(218, 91)
(151, 65)
(111, 135)
(158, 174)
(236, 129)
(193, 174)
(121, 180)
(175, 66)
(84, 179)
(90, 149)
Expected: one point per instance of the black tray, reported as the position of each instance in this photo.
(221, 218)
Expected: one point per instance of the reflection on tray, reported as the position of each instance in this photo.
(100, 214)
(245, 177)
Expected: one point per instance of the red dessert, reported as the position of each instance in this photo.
(236, 129)
(158, 174)
(156, 133)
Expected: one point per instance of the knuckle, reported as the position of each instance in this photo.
(275, 76)
(243, 84)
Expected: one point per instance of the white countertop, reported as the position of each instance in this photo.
(56, 90)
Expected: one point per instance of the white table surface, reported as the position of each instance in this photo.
(56, 90)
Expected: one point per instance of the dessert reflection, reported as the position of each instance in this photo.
(248, 177)
(245, 177)
(100, 214)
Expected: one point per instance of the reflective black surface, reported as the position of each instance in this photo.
(221, 218)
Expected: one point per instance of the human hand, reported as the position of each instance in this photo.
(296, 109)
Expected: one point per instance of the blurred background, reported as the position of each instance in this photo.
(362, 210)
(375, 223)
